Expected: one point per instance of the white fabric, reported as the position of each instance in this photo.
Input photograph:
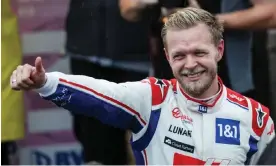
(197, 134)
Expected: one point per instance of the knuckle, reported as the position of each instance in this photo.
(14, 86)
(19, 83)
(24, 79)
(27, 66)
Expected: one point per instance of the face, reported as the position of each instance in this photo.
(193, 57)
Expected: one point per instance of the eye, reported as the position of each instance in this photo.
(200, 53)
(178, 56)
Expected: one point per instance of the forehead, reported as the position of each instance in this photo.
(197, 37)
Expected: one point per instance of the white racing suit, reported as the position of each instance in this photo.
(168, 126)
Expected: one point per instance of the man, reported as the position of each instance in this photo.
(193, 119)
(12, 107)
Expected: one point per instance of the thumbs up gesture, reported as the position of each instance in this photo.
(28, 77)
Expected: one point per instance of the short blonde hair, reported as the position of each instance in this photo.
(189, 17)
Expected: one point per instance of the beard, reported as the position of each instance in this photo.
(197, 88)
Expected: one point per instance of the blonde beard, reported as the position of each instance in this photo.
(197, 88)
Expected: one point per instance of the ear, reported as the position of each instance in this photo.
(220, 48)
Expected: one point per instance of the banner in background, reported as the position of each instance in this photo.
(49, 138)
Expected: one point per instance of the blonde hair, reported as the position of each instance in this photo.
(189, 17)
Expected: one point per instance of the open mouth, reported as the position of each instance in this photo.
(194, 75)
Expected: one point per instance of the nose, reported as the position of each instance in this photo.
(190, 62)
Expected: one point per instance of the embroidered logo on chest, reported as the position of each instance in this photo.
(176, 113)
(180, 131)
(227, 131)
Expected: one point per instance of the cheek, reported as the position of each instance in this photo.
(176, 66)
(208, 63)
(214, 63)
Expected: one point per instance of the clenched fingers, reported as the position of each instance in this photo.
(21, 78)
(26, 73)
(13, 81)
(19, 72)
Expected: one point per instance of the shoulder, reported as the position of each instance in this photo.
(159, 88)
(237, 99)
(260, 116)
(259, 113)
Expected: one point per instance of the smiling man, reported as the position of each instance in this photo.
(193, 119)
(193, 54)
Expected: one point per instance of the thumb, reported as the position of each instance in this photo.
(38, 65)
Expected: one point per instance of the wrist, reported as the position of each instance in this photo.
(45, 80)
(50, 84)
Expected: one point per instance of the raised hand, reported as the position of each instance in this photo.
(28, 77)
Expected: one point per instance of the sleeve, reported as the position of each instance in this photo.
(125, 105)
(267, 136)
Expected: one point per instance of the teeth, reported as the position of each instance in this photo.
(194, 75)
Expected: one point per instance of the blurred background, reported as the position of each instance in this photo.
(101, 38)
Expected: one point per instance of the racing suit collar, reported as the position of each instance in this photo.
(200, 105)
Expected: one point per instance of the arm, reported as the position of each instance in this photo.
(131, 9)
(125, 105)
(267, 136)
(260, 16)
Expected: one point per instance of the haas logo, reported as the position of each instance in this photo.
(236, 97)
(178, 114)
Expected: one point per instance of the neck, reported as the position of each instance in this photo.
(211, 91)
